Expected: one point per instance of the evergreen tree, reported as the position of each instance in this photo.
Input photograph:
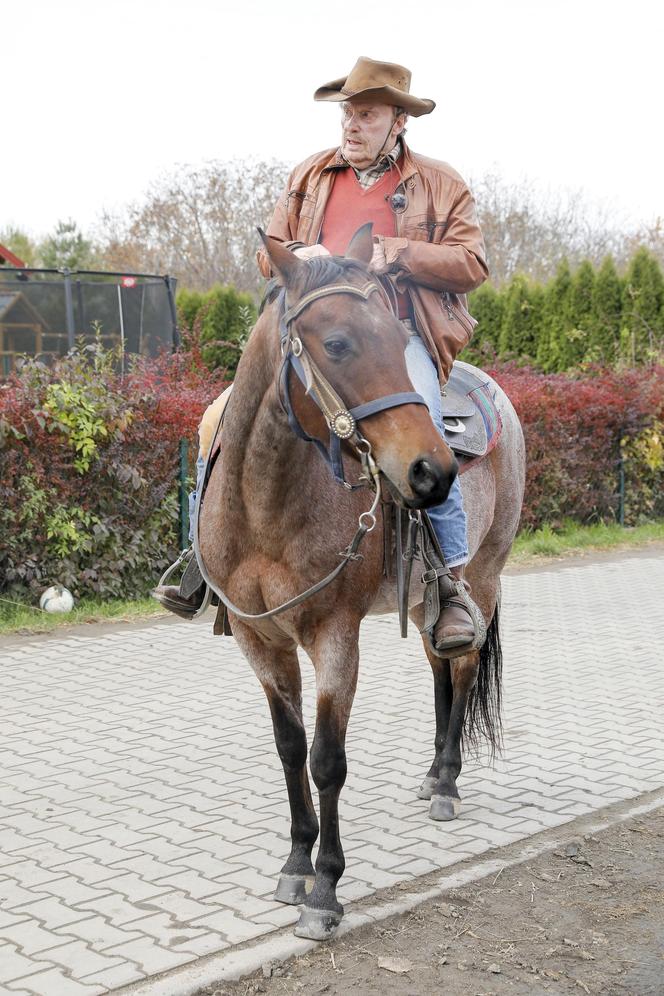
(67, 249)
(643, 309)
(188, 304)
(580, 315)
(227, 317)
(551, 355)
(607, 312)
(20, 243)
(517, 333)
(486, 305)
(537, 315)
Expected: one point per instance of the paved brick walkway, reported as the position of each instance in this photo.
(143, 817)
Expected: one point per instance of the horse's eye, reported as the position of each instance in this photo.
(336, 348)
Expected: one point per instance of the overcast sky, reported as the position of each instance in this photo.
(101, 97)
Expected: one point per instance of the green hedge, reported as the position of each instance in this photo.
(218, 322)
(586, 317)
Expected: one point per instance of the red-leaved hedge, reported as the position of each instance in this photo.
(89, 461)
(574, 427)
(89, 471)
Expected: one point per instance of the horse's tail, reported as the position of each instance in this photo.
(483, 719)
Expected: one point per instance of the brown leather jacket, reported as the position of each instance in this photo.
(437, 255)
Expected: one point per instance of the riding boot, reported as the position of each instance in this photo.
(171, 598)
(187, 598)
(459, 629)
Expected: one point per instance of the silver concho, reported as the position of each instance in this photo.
(342, 424)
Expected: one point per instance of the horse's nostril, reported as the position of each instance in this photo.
(422, 476)
(429, 481)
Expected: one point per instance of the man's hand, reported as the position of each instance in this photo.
(378, 262)
(308, 252)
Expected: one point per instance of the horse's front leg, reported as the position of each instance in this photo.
(279, 673)
(336, 677)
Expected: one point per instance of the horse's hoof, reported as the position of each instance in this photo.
(317, 925)
(444, 807)
(292, 889)
(425, 791)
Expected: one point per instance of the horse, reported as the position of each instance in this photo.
(273, 521)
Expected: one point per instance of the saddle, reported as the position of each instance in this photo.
(472, 421)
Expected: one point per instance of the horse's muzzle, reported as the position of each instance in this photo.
(430, 482)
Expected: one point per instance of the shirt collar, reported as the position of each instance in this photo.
(380, 166)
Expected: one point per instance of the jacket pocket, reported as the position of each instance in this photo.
(424, 228)
(299, 204)
(457, 312)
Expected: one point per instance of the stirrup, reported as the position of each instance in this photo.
(186, 555)
(474, 612)
(457, 592)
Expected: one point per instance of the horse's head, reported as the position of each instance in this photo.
(358, 345)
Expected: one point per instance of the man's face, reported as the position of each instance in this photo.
(368, 130)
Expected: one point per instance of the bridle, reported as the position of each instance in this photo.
(341, 420)
(343, 425)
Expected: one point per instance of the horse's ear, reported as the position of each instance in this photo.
(284, 263)
(361, 245)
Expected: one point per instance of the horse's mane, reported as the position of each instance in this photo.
(320, 271)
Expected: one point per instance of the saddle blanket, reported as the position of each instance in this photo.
(472, 420)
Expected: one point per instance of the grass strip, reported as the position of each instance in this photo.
(529, 548)
(24, 618)
(571, 538)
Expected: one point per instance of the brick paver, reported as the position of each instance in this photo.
(143, 816)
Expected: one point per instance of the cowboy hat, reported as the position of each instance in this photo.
(378, 82)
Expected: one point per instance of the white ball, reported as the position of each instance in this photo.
(56, 599)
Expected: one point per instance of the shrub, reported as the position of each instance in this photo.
(574, 427)
(643, 309)
(88, 471)
(575, 319)
(89, 461)
(607, 312)
(522, 317)
(486, 305)
(221, 319)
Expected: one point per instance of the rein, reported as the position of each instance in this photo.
(342, 423)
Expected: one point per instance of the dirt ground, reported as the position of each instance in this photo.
(587, 917)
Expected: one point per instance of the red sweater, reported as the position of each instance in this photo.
(350, 206)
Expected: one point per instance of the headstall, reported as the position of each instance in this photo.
(341, 420)
(342, 423)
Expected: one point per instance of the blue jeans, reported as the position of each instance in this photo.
(200, 469)
(448, 519)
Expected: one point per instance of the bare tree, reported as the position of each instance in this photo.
(198, 224)
(651, 236)
(529, 231)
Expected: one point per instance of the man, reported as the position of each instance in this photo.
(427, 242)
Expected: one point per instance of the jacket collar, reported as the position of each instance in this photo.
(337, 161)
